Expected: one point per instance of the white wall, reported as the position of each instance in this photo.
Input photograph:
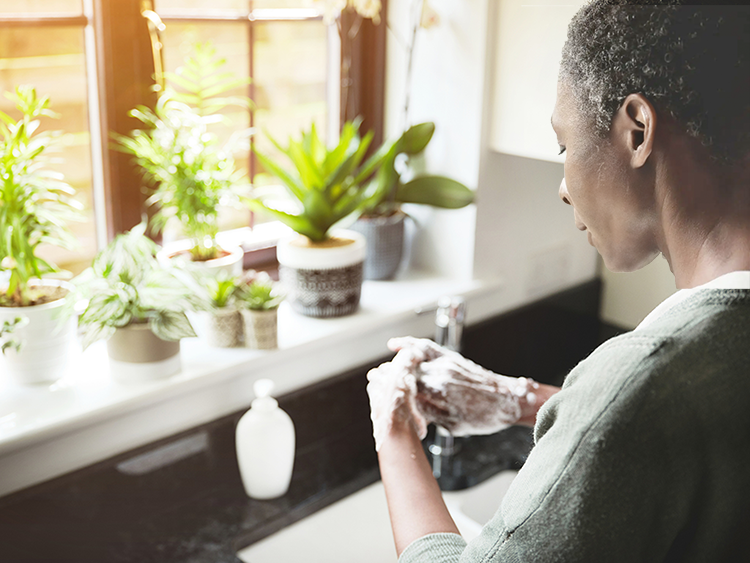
(518, 230)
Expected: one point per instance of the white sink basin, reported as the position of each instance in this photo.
(357, 528)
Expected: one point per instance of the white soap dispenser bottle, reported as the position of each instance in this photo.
(265, 445)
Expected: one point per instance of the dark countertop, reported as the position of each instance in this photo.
(181, 499)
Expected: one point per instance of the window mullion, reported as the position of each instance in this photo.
(95, 128)
(125, 68)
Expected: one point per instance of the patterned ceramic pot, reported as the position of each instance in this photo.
(221, 328)
(323, 279)
(137, 354)
(385, 244)
(261, 329)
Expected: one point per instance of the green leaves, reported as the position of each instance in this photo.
(126, 284)
(437, 191)
(415, 139)
(329, 184)
(260, 293)
(35, 204)
(171, 325)
(202, 84)
(7, 328)
(192, 172)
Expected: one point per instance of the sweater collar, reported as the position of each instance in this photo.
(732, 280)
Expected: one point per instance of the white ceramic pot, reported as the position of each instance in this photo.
(221, 328)
(136, 354)
(323, 279)
(47, 342)
(260, 328)
(231, 263)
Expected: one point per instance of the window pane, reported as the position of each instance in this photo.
(231, 41)
(51, 59)
(68, 7)
(290, 79)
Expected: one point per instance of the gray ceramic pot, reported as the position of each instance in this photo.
(385, 244)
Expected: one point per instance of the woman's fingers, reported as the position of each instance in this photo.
(423, 349)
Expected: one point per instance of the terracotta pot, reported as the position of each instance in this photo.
(137, 354)
(323, 279)
(47, 342)
(221, 328)
(385, 244)
(261, 329)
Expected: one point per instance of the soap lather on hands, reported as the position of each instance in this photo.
(428, 383)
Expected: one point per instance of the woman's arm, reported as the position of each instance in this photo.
(415, 503)
(528, 411)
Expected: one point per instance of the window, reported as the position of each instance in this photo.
(96, 60)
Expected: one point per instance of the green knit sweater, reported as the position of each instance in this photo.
(643, 456)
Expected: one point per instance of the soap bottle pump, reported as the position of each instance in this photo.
(265, 445)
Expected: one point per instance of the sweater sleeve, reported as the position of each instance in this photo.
(594, 487)
(436, 548)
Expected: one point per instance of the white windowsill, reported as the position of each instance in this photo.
(86, 417)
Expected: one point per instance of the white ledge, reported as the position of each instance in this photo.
(46, 431)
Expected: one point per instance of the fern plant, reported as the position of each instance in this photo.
(328, 184)
(192, 171)
(35, 203)
(126, 284)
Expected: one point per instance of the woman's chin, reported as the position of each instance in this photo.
(623, 264)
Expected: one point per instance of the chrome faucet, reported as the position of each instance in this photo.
(449, 324)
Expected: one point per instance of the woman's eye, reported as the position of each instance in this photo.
(562, 150)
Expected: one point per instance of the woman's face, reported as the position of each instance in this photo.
(608, 203)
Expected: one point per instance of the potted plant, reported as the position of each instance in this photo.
(259, 299)
(35, 205)
(219, 321)
(192, 171)
(138, 305)
(382, 223)
(320, 267)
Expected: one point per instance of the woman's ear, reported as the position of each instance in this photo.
(635, 124)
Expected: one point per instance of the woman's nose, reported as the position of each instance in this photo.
(563, 192)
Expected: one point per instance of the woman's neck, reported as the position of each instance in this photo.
(705, 218)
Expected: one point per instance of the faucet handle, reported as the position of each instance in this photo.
(449, 321)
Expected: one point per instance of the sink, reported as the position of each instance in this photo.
(357, 528)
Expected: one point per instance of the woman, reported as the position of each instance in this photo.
(644, 455)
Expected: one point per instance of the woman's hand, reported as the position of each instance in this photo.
(392, 389)
(458, 394)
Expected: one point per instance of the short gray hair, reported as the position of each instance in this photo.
(692, 61)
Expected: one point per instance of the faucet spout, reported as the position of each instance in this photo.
(449, 322)
(442, 450)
